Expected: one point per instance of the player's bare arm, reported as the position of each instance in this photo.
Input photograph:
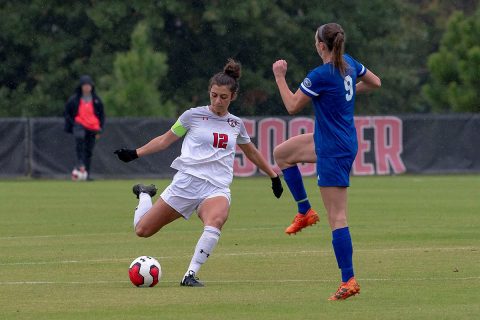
(368, 82)
(294, 102)
(158, 144)
(252, 153)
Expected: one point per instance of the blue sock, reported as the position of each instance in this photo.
(293, 178)
(342, 245)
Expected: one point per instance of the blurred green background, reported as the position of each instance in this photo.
(154, 58)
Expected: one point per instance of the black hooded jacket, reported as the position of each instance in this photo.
(71, 107)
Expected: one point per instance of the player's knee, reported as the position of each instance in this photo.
(279, 155)
(276, 152)
(338, 221)
(217, 223)
(143, 232)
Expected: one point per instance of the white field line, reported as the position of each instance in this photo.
(263, 253)
(61, 236)
(2, 283)
(82, 235)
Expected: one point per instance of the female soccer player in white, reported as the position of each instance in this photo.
(333, 146)
(205, 169)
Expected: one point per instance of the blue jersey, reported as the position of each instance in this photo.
(333, 97)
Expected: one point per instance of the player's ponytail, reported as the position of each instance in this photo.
(230, 76)
(333, 36)
(337, 52)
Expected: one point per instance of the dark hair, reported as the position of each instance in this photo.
(86, 79)
(228, 77)
(333, 36)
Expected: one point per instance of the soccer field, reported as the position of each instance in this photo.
(66, 247)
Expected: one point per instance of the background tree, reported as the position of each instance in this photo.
(46, 45)
(202, 36)
(455, 69)
(133, 88)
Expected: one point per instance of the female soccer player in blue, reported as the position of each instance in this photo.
(332, 88)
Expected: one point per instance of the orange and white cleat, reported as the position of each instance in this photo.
(346, 290)
(302, 221)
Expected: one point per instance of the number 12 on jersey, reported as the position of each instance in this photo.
(220, 140)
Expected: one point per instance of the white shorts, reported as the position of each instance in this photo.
(187, 192)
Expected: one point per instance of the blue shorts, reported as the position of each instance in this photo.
(334, 172)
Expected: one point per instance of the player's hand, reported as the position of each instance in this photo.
(277, 186)
(280, 68)
(126, 155)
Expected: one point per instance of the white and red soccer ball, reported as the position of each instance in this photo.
(79, 175)
(145, 271)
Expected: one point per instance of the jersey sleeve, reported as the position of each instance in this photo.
(181, 126)
(312, 85)
(357, 66)
(243, 137)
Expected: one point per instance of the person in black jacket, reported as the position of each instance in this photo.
(85, 119)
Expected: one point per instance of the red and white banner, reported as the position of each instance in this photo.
(380, 144)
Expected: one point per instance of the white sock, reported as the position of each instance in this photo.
(204, 248)
(144, 204)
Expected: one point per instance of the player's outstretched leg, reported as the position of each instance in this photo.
(190, 280)
(343, 248)
(335, 201)
(141, 188)
(204, 248)
(144, 194)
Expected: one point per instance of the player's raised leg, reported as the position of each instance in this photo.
(144, 195)
(298, 149)
(149, 218)
(214, 213)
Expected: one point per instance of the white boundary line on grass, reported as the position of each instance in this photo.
(244, 281)
(47, 236)
(61, 235)
(269, 253)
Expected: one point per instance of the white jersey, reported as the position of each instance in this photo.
(208, 150)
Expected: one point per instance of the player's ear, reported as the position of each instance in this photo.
(234, 96)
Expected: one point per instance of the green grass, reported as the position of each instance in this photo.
(65, 249)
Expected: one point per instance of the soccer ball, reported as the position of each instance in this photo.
(79, 175)
(145, 271)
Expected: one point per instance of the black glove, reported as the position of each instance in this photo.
(277, 186)
(126, 155)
